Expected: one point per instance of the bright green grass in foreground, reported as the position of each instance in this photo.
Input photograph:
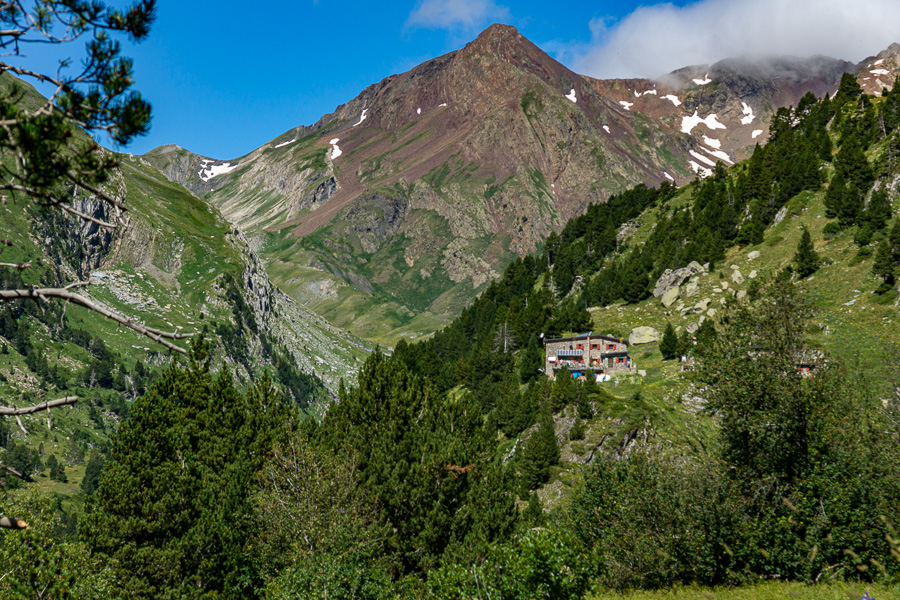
(766, 591)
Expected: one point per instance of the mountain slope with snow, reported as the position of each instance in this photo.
(390, 214)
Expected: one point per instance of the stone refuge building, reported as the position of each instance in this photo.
(587, 355)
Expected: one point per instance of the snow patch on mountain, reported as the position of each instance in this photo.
(673, 98)
(756, 133)
(362, 117)
(287, 143)
(748, 114)
(626, 105)
(669, 177)
(606, 129)
(712, 122)
(702, 158)
(723, 156)
(209, 170)
(703, 81)
(880, 72)
(335, 150)
(571, 96)
(702, 171)
(712, 143)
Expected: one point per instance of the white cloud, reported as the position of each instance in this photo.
(654, 40)
(456, 14)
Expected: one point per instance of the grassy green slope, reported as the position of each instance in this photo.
(168, 268)
(851, 323)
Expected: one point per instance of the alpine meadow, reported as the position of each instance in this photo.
(491, 329)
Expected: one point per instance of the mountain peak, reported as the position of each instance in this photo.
(500, 40)
(504, 42)
(498, 31)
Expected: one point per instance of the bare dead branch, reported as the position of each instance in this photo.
(37, 294)
(8, 523)
(86, 217)
(74, 177)
(19, 266)
(10, 411)
(27, 73)
(11, 470)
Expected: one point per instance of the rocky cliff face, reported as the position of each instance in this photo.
(79, 245)
(419, 190)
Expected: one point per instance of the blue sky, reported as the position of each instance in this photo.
(224, 80)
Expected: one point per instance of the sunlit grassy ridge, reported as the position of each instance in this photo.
(764, 591)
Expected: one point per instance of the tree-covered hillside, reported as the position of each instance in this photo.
(454, 467)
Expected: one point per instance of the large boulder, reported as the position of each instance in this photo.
(737, 277)
(671, 278)
(643, 335)
(692, 288)
(700, 307)
(671, 295)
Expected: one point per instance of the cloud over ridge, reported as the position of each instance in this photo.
(654, 40)
(450, 14)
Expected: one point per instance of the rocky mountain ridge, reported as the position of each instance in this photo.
(409, 198)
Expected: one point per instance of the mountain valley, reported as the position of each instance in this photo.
(354, 395)
(397, 225)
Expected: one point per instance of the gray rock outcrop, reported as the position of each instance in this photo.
(737, 278)
(700, 307)
(643, 335)
(670, 296)
(672, 278)
(375, 217)
(692, 288)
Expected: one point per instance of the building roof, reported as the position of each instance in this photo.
(584, 336)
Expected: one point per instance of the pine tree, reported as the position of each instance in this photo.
(539, 454)
(878, 212)
(637, 282)
(533, 515)
(884, 266)
(577, 431)
(428, 463)
(806, 258)
(834, 195)
(668, 345)
(752, 232)
(584, 403)
(894, 240)
(57, 470)
(848, 90)
(563, 390)
(532, 361)
(851, 204)
(172, 512)
(92, 471)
